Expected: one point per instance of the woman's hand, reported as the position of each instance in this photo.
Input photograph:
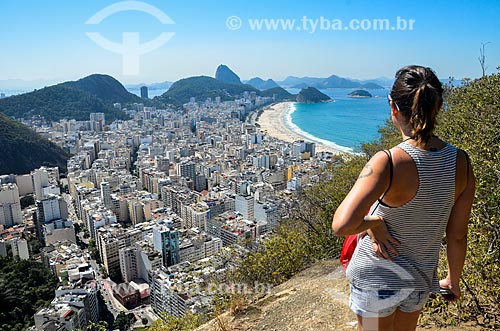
(382, 241)
(453, 287)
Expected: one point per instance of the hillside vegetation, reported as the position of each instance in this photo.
(71, 100)
(23, 149)
(311, 95)
(25, 286)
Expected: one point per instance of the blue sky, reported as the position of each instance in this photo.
(47, 39)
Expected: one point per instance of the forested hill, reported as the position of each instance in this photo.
(23, 150)
(71, 100)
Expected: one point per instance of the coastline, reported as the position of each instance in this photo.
(274, 120)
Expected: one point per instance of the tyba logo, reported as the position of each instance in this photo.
(130, 48)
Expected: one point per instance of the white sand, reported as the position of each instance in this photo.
(272, 121)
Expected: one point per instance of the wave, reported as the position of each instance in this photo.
(287, 120)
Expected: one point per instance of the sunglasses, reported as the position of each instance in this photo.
(389, 99)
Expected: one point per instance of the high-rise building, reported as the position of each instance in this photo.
(187, 169)
(111, 240)
(24, 184)
(106, 194)
(10, 205)
(20, 248)
(97, 121)
(245, 205)
(298, 147)
(166, 241)
(144, 92)
(163, 297)
(311, 148)
(40, 179)
(137, 261)
(120, 208)
(136, 211)
(193, 125)
(129, 257)
(51, 208)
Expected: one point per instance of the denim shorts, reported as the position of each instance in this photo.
(382, 303)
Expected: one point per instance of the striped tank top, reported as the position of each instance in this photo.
(419, 226)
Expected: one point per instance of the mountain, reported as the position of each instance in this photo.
(261, 84)
(292, 81)
(24, 150)
(71, 100)
(333, 81)
(202, 87)
(371, 86)
(226, 75)
(281, 94)
(311, 95)
(105, 88)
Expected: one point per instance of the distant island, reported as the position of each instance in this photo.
(312, 95)
(360, 94)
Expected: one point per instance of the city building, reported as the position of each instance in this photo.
(10, 205)
(166, 241)
(128, 295)
(71, 309)
(49, 209)
(129, 263)
(20, 248)
(144, 92)
(97, 122)
(106, 194)
(111, 239)
(40, 179)
(58, 230)
(68, 262)
(245, 206)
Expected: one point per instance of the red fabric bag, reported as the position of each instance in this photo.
(348, 250)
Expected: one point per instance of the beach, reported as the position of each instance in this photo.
(273, 120)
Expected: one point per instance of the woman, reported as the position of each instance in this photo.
(427, 188)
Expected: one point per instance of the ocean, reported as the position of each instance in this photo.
(344, 124)
(151, 93)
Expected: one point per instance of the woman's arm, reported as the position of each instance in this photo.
(456, 234)
(371, 184)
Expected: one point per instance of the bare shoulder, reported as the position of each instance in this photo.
(376, 165)
(464, 175)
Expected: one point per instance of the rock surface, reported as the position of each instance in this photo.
(316, 299)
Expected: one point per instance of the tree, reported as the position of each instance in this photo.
(482, 58)
(124, 321)
(27, 201)
(99, 326)
(167, 322)
(25, 286)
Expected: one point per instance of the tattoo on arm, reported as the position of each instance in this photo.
(367, 171)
